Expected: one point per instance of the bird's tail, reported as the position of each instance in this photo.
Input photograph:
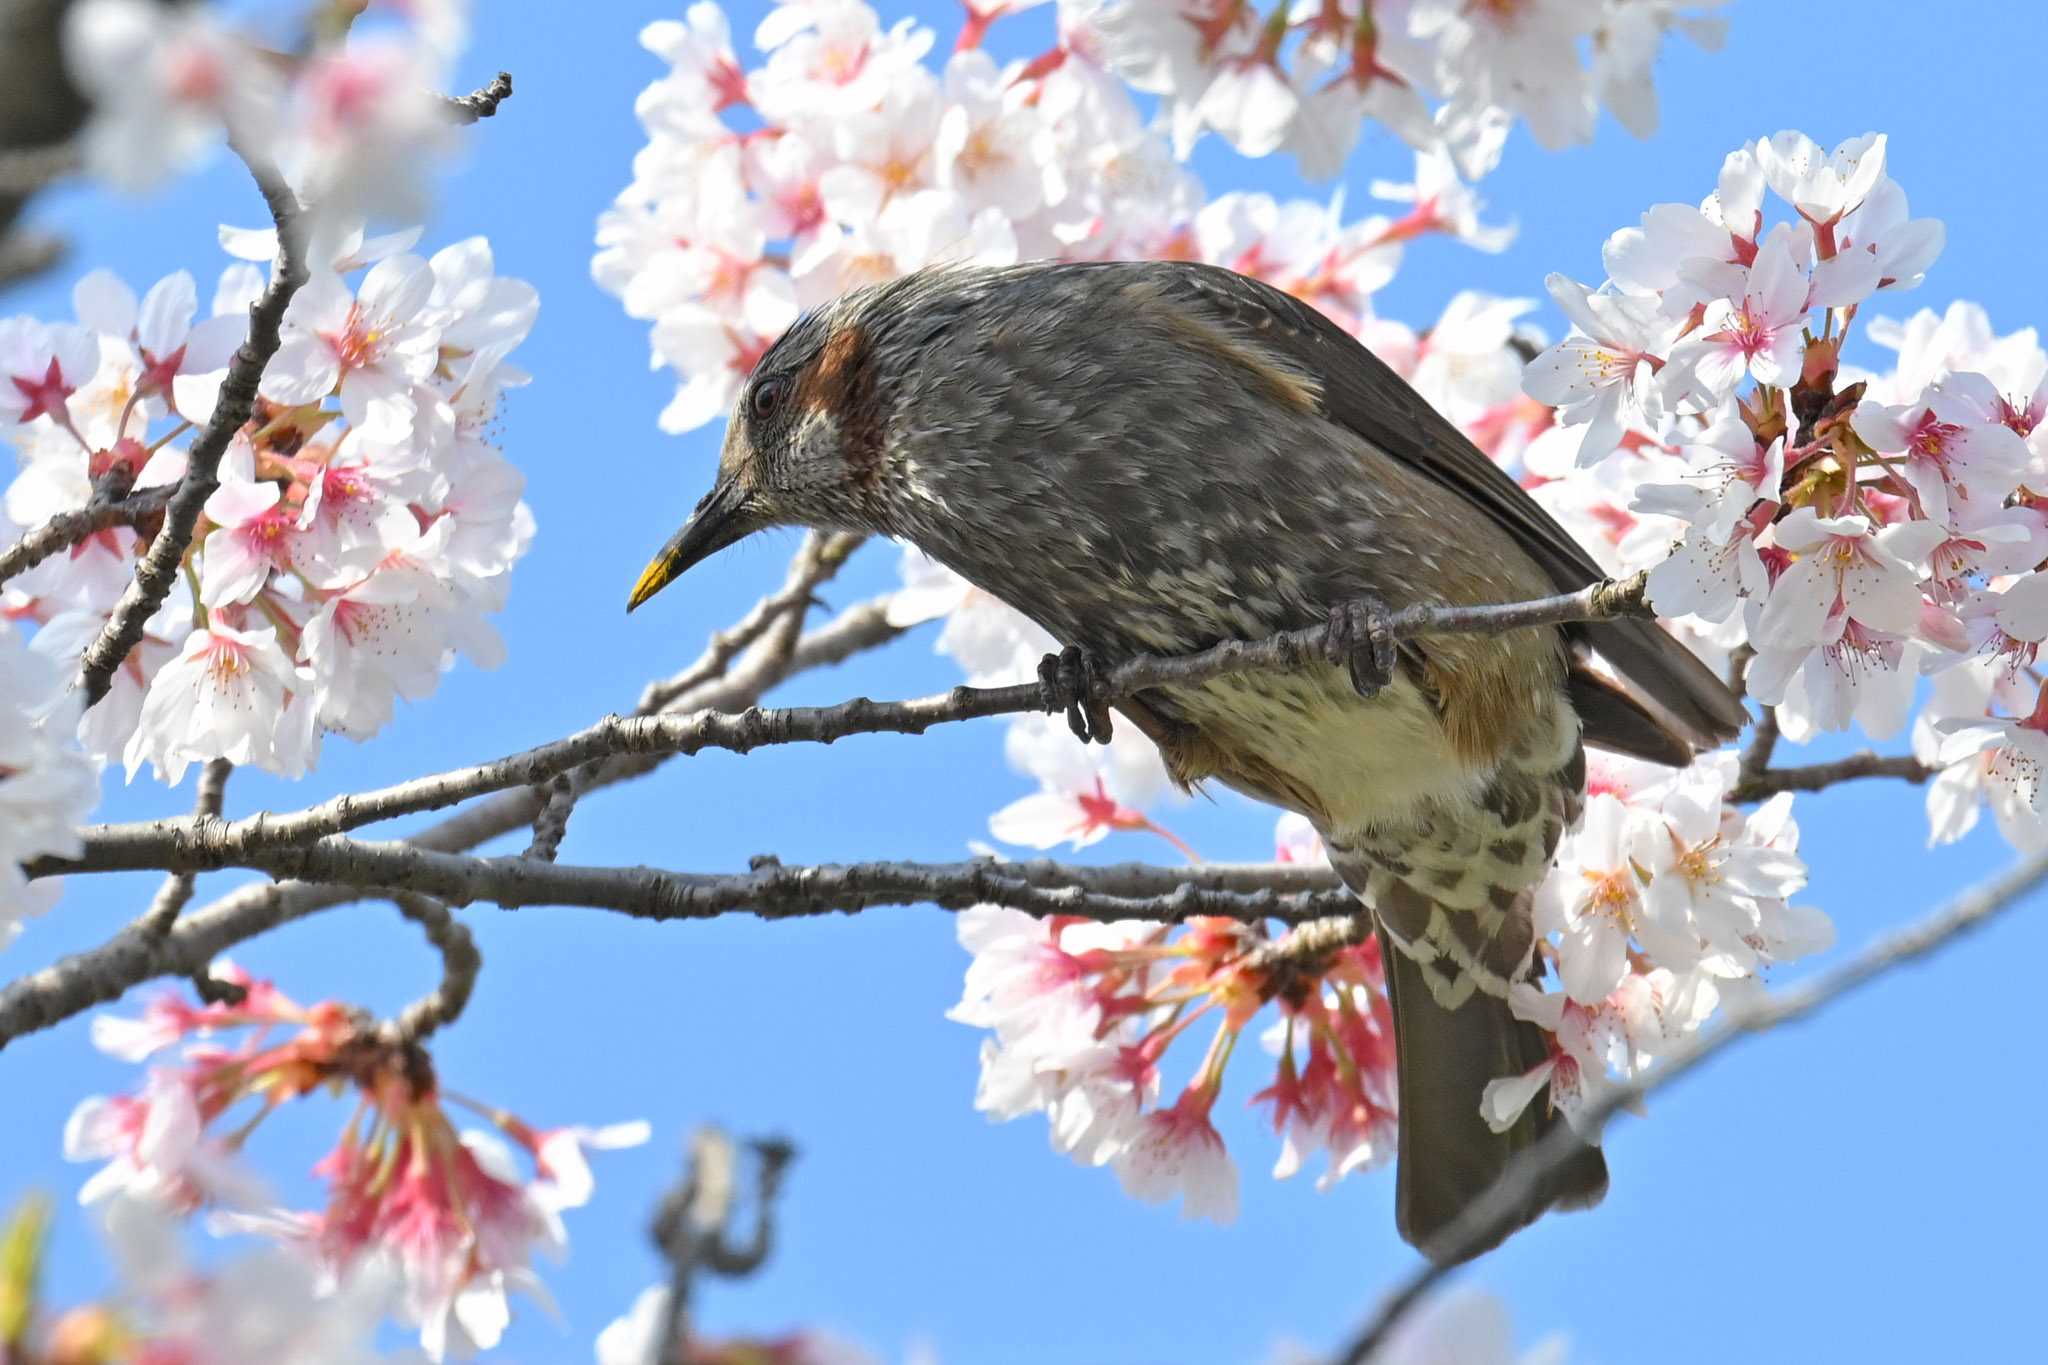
(1448, 1154)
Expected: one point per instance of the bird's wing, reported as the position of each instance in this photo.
(1359, 391)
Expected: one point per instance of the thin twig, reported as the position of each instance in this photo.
(820, 557)
(1489, 1217)
(779, 615)
(482, 103)
(67, 529)
(156, 843)
(158, 571)
(74, 984)
(557, 802)
(460, 963)
(176, 892)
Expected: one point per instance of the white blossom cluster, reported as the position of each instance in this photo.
(1439, 74)
(364, 525)
(844, 158)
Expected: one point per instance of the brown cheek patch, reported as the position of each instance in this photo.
(840, 384)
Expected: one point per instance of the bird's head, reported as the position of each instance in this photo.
(803, 447)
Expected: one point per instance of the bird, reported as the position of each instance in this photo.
(1152, 457)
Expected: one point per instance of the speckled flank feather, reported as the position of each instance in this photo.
(1151, 458)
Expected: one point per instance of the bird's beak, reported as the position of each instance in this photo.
(724, 516)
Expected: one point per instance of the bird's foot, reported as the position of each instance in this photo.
(1067, 681)
(1361, 637)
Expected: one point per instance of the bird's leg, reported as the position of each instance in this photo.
(1067, 682)
(1361, 637)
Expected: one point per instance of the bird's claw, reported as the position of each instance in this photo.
(1361, 637)
(1067, 681)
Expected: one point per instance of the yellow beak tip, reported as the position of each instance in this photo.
(653, 579)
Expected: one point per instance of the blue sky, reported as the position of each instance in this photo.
(1891, 1142)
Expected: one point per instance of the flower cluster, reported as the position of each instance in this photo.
(271, 1305)
(1082, 1014)
(1665, 901)
(447, 1213)
(844, 159)
(365, 523)
(1854, 531)
(1304, 78)
(354, 122)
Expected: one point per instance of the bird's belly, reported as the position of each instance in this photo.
(1368, 763)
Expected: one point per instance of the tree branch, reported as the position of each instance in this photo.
(174, 841)
(176, 892)
(24, 170)
(1812, 777)
(478, 104)
(67, 529)
(1244, 891)
(158, 570)
(1493, 1213)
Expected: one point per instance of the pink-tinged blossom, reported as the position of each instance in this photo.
(155, 1146)
(168, 343)
(1605, 374)
(1944, 450)
(226, 696)
(698, 48)
(41, 366)
(1756, 329)
(1177, 1151)
(252, 539)
(373, 346)
(364, 126)
(1900, 248)
(1845, 568)
(1442, 203)
(272, 1306)
(1727, 473)
(47, 787)
(990, 146)
(1592, 899)
(1822, 186)
(163, 83)
(830, 58)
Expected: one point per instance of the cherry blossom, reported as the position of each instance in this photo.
(46, 785)
(164, 84)
(372, 346)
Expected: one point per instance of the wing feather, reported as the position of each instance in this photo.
(1359, 391)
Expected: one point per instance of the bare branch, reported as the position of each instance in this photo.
(158, 570)
(67, 529)
(1247, 891)
(479, 104)
(693, 1224)
(25, 254)
(251, 910)
(1813, 777)
(176, 892)
(1493, 1213)
(24, 170)
(460, 963)
(173, 841)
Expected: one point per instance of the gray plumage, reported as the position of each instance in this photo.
(1153, 457)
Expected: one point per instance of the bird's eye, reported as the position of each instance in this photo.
(767, 397)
